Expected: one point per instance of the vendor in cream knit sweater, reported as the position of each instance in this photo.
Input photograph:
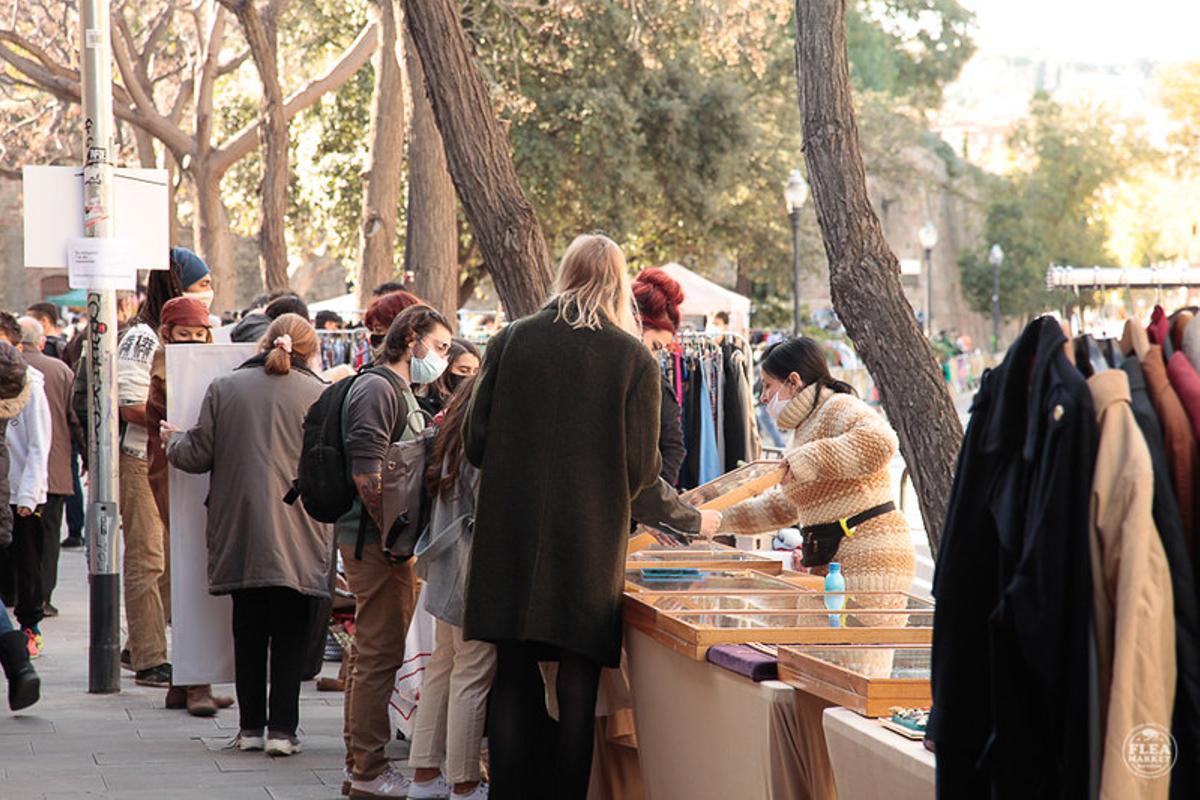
(837, 470)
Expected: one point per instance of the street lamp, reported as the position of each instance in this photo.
(929, 239)
(996, 258)
(795, 194)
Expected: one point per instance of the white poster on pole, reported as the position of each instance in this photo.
(53, 214)
(101, 264)
(201, 624)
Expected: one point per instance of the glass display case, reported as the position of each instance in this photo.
(680, 579)
(710, 556)
(870, 679)
(697, 616)
(737, 485)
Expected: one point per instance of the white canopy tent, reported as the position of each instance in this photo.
(346, 306)
(703, 298)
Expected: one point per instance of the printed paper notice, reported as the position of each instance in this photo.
(101, 264)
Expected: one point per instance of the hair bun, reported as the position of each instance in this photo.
(659, 297)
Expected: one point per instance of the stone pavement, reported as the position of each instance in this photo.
(78, 745)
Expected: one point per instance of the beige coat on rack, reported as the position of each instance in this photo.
(1131, 592)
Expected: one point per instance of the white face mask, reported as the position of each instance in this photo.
(777, 404)
(205, 297)
(428, 368)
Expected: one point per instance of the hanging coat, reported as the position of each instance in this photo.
(1185, 725)
(1013, 585)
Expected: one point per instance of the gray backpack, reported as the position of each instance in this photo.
(406, 504)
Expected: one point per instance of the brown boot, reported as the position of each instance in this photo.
(200, 701)
(330, 685)
(177, 697)
(222, 701)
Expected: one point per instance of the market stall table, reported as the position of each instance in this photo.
(873, 763)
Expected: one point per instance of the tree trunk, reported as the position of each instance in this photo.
(273, 136)
(431, 242)
(212, 237)
(864, 273)
(381, 176)
(476, 146)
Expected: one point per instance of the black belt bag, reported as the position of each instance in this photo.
(821, 542)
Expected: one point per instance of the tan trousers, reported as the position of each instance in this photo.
(453, 707)
(146, 576)
(385, 595)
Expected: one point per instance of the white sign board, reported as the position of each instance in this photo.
(910, 266)
(54, 214)
(101, 264)
(201, 624)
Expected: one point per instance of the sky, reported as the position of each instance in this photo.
(1104, 31)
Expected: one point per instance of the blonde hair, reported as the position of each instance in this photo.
(593, 285)
(289, 338)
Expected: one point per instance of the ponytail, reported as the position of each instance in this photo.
(289, 341)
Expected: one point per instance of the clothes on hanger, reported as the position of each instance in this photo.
(713, 380)
(1185, 720)
(1013, 584)
(1132, 602)
(352, 347)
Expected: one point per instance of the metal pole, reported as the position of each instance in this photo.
(995, 306)
(795, 215)
(929, 292)
(104, 670)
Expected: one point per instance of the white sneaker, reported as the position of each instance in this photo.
(436, 789)
(480, 792)
(388, 783)
(284, 746)
(248, 741)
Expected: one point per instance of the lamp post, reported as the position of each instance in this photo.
(996, 258)
(795, 194)
(929, 239)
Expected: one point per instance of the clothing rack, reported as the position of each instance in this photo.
(712, 383)
(350, 347)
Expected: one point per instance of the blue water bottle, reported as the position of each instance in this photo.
(835, 581)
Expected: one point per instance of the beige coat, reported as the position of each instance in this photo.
(249, 435)
(1131, 591)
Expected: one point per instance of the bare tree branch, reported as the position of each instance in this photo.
(351, 60)
(233, 63)
(157, 125)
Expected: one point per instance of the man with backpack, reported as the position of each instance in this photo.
(371, 412)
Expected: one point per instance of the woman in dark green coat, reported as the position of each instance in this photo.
(563, 425)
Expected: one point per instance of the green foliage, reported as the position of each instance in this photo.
(908, 48)
(673, 129)
(1054, 211)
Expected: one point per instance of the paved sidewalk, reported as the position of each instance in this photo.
(78, 745)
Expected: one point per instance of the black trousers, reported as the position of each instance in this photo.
(277, 618)
(52, 517)
(25, 557)
(531, 757)
(75, 518)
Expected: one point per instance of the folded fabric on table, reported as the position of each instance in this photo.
(744, 660)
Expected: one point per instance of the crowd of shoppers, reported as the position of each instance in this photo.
(545, 450)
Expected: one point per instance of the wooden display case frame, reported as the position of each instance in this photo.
(871, 697)
(671, 628)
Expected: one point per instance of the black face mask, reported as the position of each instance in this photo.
(453, 382)
(377, 339)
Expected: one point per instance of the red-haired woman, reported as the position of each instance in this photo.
(658, 299)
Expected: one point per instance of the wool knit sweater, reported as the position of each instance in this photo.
(839, 457)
